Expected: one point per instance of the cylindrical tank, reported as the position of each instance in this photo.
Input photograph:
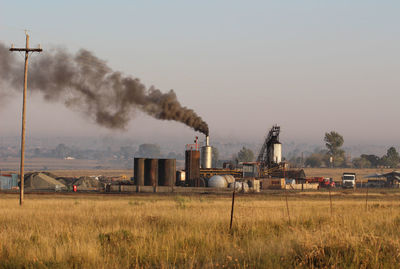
(138, 171)
(277, 155)
(151, 172)
(206, 157)
(166, 172)
(192, 167)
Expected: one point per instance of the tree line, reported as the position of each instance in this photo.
(335, 156)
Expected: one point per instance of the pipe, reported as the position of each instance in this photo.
(207, 140)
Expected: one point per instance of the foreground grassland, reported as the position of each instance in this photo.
(104, 231)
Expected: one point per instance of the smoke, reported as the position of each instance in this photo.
(86, 83)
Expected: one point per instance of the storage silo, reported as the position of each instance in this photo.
(166, 172)
(151, 172)
(138, 171)
(206, 154)
(277, 152)
(192, 167)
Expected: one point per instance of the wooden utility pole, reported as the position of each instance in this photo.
(27, 50)
(286, 194)
(330, 201)
(233, 204)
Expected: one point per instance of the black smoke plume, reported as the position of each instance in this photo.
(85, 82)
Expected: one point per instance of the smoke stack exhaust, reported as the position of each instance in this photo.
(207, 140)
(86, 83)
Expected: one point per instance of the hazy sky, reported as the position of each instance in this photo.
(309, 66)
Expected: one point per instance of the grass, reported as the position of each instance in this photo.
(193, 231)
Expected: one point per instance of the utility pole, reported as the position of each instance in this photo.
(27, 50)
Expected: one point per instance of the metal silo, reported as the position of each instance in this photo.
(275, 151)
(151, 172)
(206, 154)
(277, 155)
(138, 171)
(166, 172)
(192, 167)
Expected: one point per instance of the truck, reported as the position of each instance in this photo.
(349, 180)
(328, 183)
(323, 182)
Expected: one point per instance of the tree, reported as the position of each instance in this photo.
(296, 162)
(314, 160)
(391, 158)
(245, 155)
(361, 163)
(148, 151)
(374, 160)
(333, 142)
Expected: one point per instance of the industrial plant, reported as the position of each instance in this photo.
(267, 172)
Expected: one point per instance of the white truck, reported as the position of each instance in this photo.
(349, 180)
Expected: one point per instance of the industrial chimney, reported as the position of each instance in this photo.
(206, 154)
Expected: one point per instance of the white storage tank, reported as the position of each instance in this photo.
(217, 182)
(229, 178)
(277, 154)
(240, 186)
(206, 155)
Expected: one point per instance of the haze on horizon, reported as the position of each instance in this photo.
(310, 67)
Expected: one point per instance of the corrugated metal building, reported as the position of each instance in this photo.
(7, 182)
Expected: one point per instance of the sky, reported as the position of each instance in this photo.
(309, 66)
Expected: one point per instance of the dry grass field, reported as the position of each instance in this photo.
(166, 231)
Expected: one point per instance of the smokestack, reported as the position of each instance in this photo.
(86, 83)
(207, 140)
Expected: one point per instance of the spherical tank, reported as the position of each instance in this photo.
(236, 185)
(229, 178)
(206, 157)
(217, 182)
